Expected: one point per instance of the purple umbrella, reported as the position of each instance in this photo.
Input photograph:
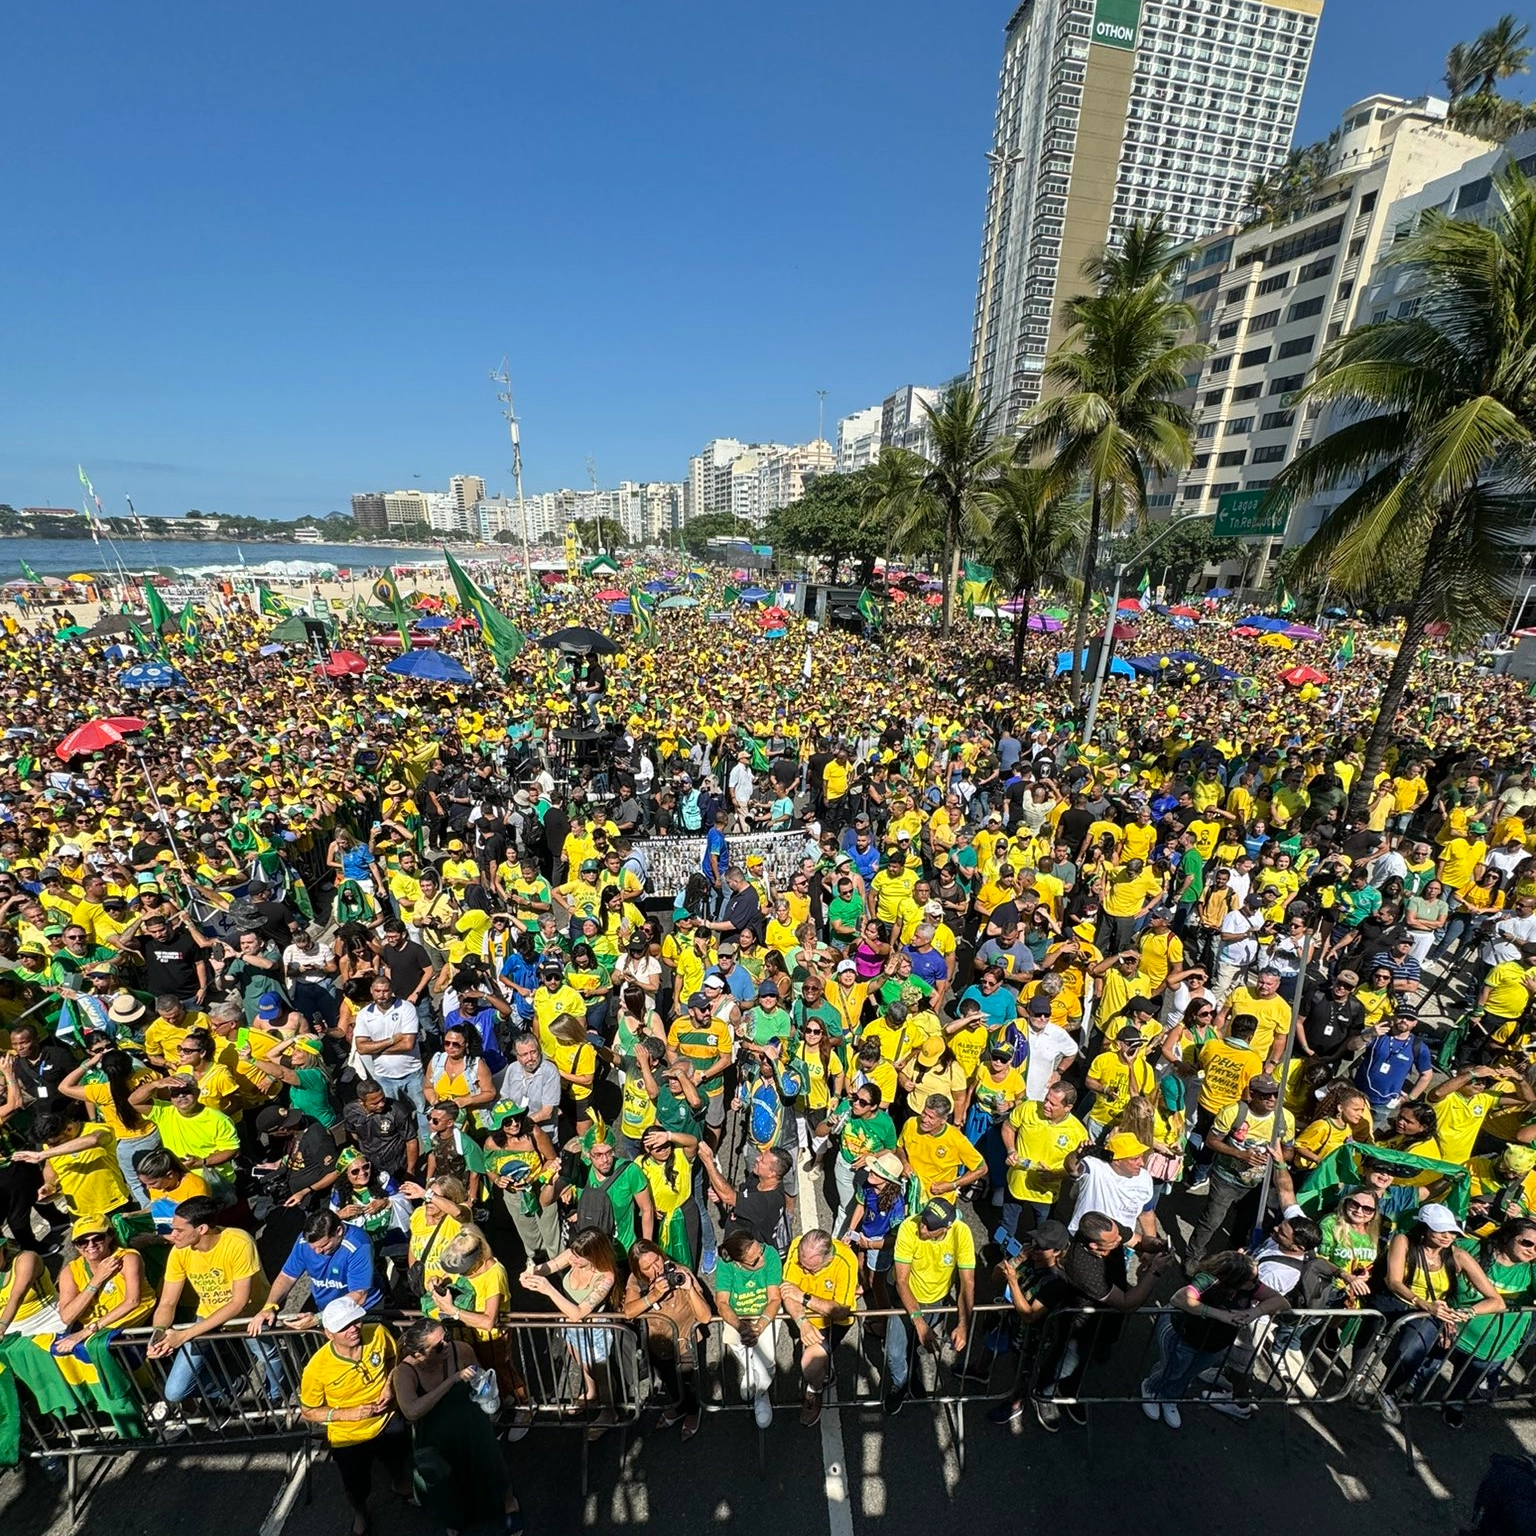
(1039, 623)
(1302, 632)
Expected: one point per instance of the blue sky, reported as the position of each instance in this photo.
(257, 258)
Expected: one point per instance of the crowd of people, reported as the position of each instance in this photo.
(352, 1008)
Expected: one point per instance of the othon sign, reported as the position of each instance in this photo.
(1115, 23)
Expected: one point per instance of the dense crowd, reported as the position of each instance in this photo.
(354, 1006)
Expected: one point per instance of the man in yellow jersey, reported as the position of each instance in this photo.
(820, 1290)
(1263, 1001)
(1227, 1065)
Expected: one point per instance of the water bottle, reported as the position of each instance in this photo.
(485, 1392)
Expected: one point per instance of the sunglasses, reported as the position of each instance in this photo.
(1359, 1205)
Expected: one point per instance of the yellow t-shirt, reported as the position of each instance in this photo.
(1045, 1146)
(1273, 1014)
(936, 1159)
(836, 1281)
(1160, 953)
(447, 1228)
(1458, 1119)
(934, 1262)
(1138, 841)
(329, 1381)
(90, 1180)
(212, 1275)
(1507, 993)
(1120, 1080)
(99, 1097)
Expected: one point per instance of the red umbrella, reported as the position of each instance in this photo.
(1299, 677)
(611, 595)
(463, 621)
(935, 599)
(345, 664)
(98, 735)
(1184, 612)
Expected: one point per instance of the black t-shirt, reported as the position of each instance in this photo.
(1329, 1024)
(170, 966)
(1073, 827)
(760, 1211)
(785, 772)
(1209, 1334)
(276, 921)
(1085, 1272)
(312, 1157)
(381, 1138)
(406, 964)
(40, 1078)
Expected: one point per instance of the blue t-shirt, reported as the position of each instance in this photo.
(349, 1268)
(714, 843)
(930, 966)
(1386, 1067)
(1000, 1008)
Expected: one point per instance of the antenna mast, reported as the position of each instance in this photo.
(501, 377)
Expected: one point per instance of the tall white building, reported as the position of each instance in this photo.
(444, 514)
(662, 510)
(904, 421)
(1287, 290)
(467, 491)
(784, 473)
(407, 510)
(1110, 111)
(858, 439)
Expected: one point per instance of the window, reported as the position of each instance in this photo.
(1265, 322)
(1214, 397)
(1368, 202)
(1475, 193)
(1220, 365)
(1231, 460)
(1270, 455)
(1300, 347)
(1223, 486)
(1193, 492)
(1316, 239)
(1305, 309)
(1199, 461)
(1228, 331)
(1204, 285)
(1273, 421)
(1247, 392)
(1239, 425)
(1346, 289)
(1232, 295)
(1314, 269)
(1276, 283)
(1254, 358)
(1335, 330)
(1288, 384)
(1207, 429)
(1355, 247)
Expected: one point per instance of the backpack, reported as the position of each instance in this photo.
(690, 813)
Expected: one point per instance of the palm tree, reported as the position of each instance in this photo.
(1110, 417)
(945, 506)
(1032, 532)
(1488, 115)
(1500, 52)
(891, 486)
(1439, 429)
(1461, 70)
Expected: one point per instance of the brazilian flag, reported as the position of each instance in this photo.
(388, 595)
(28, 572)
(869, 610)
(642, 618)
(504, 638)
(191, 629)
(270, 603)
(159, 615)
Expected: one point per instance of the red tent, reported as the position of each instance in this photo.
(98, 735)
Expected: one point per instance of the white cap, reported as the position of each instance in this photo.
(845, 965)
(1440, 1218)
(341, 1314)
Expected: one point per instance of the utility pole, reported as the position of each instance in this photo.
(501, 377)
(821, 407)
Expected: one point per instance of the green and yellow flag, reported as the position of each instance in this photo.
(1287, 602)
(388, 595)
(642, 618)
(268, 602)
(1346, 652)
(504, 639)
(869, 609)
(28, 572)
(191, 628)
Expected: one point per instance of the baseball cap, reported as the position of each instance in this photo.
(726, 947)
(89, 1226)
(1123, 1144)
(341, 1313)
(1264, 1083)
(1140, 1005)
(1039, 1006)
(698, 1000)
(767, 989)
(1440, 1218)
(844, 966)
(937, 1215)
(930, 1051)
(269, 1006)
(1051, 1235)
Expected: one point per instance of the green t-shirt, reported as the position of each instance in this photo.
(747, 1289)
(848, 912)
(874, 1133)
(770, 1024)
(311, 1096)
(1500, 1335)
(1192, 865)
(824, 1012)
(624, 1184)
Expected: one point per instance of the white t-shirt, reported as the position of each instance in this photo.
(1508, 934)
(1238, 944)
(375, 1023)
(740, 783)
(1048, 1048)
(1111, 1194)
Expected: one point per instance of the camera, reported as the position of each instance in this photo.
(672, 1273)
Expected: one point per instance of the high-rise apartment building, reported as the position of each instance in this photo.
(369, 514)
(407, 510)
(784, 473)
(467, 491)
(1286, 290)
(858, 439)
(1111, 111)
(904, 421)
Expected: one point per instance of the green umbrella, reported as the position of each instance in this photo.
(679, 602)
(1056, 613)
(70, 631)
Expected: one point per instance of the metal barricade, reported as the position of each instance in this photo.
(1489, 1361)
(1296, 1358)
(566, 1372)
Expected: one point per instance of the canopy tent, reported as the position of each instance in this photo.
(1118, 665)
(600, 565)
(292, 631)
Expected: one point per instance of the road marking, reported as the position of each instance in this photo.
(834, 1455)
(287, 1497)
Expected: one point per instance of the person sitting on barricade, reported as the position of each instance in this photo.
(934, 1267)
(748, 1278)
(820, 1290)
(221, 1266)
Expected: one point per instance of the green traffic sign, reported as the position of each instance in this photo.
(1243, 515)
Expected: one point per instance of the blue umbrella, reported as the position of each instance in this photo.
(434, 621)
(658, 586)
(752, 594)
(1219, 592)
(431, 665)
(120, 652)
(1263, 622)
(152, 674)
(1118, 666)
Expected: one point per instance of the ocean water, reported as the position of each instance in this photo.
(62, 557)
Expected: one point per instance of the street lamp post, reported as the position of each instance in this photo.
(1101, 671)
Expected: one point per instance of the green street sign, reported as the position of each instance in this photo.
(1115, 23)
(1242, 515)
